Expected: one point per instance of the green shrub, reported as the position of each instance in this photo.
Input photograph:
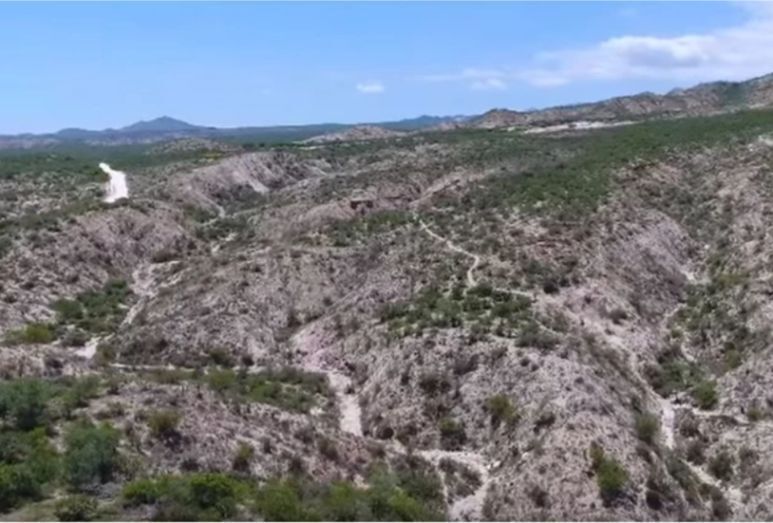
(287, 388)
(280, 501)
(243, 457)
(80, 392)
(705, 394)
(611, 478)
(163, 423)
(95, 311)
(721, 465)
(501, 410)
(199, 496)
(32, 333)
(25, 402)
(647, 427)
(215, 492)
(76, 508)
(17, 484)
(452, 434)
(143, 491)
(91, 456)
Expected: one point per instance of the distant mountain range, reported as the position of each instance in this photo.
(703, 99)
(166, 128)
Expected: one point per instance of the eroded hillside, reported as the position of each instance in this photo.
(464, 324)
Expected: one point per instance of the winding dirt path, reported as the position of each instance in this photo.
(471, 281)
(468, 508)
(117, 188)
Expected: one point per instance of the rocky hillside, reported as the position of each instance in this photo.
(358, 133)
(704, 99)
(459, 325)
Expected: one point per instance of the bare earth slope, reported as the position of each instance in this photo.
(466, 325)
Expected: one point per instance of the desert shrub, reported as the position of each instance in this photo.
(25, 402)
(280, 501)
(243, 457)
(705, 394)
(221, 357)
(647, 427)
(432, 383)
(408, 495)
(163, 423)
(91, 455)
(720, 507)
(32, 333)
(755, 413)
(94, 311)
(501, 410)
(695, 452)
(287, 388)
(539, 496)
(200, 496)
(328, 448)
(76, 508)
(721, 465)
(611, 476)
(17, 484)
(452, 433)
(80, 392)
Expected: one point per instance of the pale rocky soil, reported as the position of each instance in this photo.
(263, 281)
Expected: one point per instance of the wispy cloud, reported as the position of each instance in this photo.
(476, 79)
(370, 87)
(732, 53)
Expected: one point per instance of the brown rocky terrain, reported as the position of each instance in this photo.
(704, 99)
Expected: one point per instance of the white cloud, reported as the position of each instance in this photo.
(732, 53)
(370, 87)
(489, 84)
(476, 79)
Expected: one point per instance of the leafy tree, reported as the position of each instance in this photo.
(25, 402)
(91, 456)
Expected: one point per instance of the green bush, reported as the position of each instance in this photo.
(387, 498)
(91, 456)
(705, 394)
(243, 457)
(215, 492)
(163, 423)
(25, 402)
(647, 427)
(280, 501)
(143, 491)
(80, 392)
(32, 333)
(95, 311)
(611, 478)
(76, 508)
(287, 388)
(721, 465)
(452, 434)
(501, 410)
(17, 484)
(199, 496)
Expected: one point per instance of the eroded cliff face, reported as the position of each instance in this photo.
(458, 308)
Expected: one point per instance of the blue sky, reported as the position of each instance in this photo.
(98, 65)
